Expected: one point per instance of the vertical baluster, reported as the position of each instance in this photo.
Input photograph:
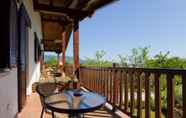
(116, 81)
(90, 79)
(87, 77)
(107, 81)
(126, 90)
(108, 87)
(114, 86)
(121, 90)
(184, 94)
(147, 95)
(131, 93)
(100, 81)
(104, 82)
(118, 87)
(94, 79)
(139, 113)
(170, 95)
(95, 76)
(157, 96)
(111, 86)
(102, 77)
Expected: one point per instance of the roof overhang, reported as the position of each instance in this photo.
(59, 15)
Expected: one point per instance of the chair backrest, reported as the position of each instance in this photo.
(46, 89)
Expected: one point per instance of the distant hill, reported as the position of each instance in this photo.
(69, 59)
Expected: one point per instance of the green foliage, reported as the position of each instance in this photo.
(138, 57)
(52, 61)
(98, 60)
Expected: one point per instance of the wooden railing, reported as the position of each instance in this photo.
(135, 90)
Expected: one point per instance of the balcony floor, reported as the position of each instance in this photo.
(33, 108)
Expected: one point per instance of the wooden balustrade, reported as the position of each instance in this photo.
(135, 90)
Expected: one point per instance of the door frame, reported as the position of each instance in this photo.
(22, 17)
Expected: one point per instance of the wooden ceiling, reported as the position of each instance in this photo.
(58, 16)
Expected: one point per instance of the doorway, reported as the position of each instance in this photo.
(23, 25)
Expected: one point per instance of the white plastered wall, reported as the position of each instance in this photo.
(8, 94)
(33, 67)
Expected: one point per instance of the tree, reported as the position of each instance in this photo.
(97, 60)
(99, 57)
(52, 61)
(138, 58)
(123, 60)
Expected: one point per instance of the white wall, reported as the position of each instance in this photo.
(8, 80)
(8, 94)
(33, 68)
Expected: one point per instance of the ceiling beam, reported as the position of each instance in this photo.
(61, 22)
(68, 11)
(68, 3)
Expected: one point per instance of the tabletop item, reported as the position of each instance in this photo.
(74, 102)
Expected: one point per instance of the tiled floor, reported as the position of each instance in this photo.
(33, 108)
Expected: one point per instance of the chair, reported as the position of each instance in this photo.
(45, 89)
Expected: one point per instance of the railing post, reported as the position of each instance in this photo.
(131, 74)
(115, 88)
(157, 96)
(126, 91)
(147, 95)
(139, 113)
(170, 95)
(184, 94)
(121, 89)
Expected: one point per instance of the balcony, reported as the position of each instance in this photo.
(130, 92)
(138, 92)
(33, 107)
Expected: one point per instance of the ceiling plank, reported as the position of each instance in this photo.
(68, 11)
(68, 3)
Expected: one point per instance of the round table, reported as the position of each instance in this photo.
(75, 106)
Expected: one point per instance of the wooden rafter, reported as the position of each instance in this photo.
(67, 3)
(70, 12)
(62, 22)
(51, 2)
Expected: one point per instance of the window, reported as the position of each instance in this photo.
(37, 48)
(8, 45)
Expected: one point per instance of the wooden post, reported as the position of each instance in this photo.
(170, 95)
(76, 48)
(157, 96)
(147, 95)
(76, 43)
(63, 36)
(184, 94)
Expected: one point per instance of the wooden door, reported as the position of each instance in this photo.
(24, 23)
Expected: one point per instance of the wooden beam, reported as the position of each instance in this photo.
(61, 22)
(76, 43)
(68, 11)
(63, 36)
(67, 3)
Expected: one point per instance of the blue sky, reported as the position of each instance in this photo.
(127, 24)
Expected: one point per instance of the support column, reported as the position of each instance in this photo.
(63, 36)
(76, 50)
(76, 44)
